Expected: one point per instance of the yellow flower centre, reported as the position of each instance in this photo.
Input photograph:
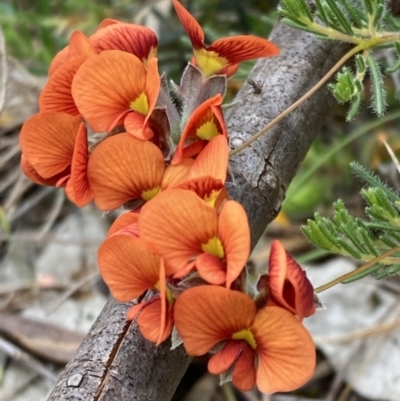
(150, 193)
(140, 104)
(208, 130)
(246, 335)
(210, 199)
(214, 247)
(168, 292)
(209, 62)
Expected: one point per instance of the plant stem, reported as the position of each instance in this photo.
(319, 84)
(359, 270)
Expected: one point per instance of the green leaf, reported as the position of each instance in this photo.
(349, 249)
(354, 107)
(387, 241)
(360, 63)
(305, 10)
(394, 67)
(369, 7)
(378, 91)
(292, 7)
(356, 14)
(379, 10)
(368, 241)
(343, 20)
(313, 233)
(372, 180)
(321, 12)
(299, 25)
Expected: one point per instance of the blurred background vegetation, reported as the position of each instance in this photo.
(35, 31)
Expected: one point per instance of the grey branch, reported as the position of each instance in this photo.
(114, 363)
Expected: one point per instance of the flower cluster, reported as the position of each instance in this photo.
(109, 130)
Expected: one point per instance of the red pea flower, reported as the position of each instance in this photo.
(223, 55)
(288, 284)
(130, 267)
(268, 347)
(187, 232)
(121, 91)
(55, 152)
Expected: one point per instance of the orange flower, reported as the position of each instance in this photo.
(56, 94)
(114, 35)
(125, 224)
(114, 88)
(123, 169)
(130, 267)
(288, 284)
(271, 339)
(187, 232)
(222, 56)
(131, 38)
(206, 122)
(54, 147)
(207, 175)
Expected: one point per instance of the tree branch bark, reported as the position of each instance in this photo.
(114, 363)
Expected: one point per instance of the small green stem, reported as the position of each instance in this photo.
(357, 271)
(319, 84)
(333, 33)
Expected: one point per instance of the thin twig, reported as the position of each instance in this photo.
(359, 334)
(29, 203)
(72, 289)
(53, 214)
(296, 104)
(16, 353)
(359, 270)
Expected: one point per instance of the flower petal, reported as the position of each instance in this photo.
(56, 95)
(212, 160)
(79, 45)
(128, 266)
(59, 59)
(153, 84)
(47, 141)
(211, 269)
(174, 175)
(134, 124)
(131, 38)
(102, 97)
(225, 358)
(191, 26)
(79, 182)
(288, 283)
(207, 188)
(126, 219)
(245, 47)
(149, 322)
(207, 120)
(234, 233)
(32, 174)
(121, 168)
(285, 349)
(244, 373)
(206, 315)
(176, 222)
